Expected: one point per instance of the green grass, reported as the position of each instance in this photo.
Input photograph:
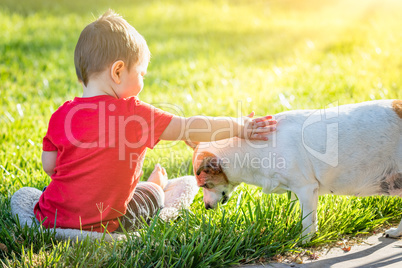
(208, 57)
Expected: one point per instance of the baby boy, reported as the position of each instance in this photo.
(95, 144)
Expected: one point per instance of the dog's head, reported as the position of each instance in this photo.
(210, 176)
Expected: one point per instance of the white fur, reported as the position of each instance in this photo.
(345, 150)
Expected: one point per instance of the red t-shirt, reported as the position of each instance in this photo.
(101, 143)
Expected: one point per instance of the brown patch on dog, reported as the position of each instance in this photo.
(216, 179)
(385, 187)
(198, 158)
(210, 165)
(392, 184)
(207, 168)
(398, 181)
(397, 107)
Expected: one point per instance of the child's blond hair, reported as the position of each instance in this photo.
(106, 40)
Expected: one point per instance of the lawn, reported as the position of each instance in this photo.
(217, 58)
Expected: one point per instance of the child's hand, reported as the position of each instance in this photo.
(258, 128)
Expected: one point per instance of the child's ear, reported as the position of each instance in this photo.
(116, 71)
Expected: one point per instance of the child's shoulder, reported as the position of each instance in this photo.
(105, 102)
(84, 103)
(62, 107)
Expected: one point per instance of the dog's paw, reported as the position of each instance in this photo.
(393, 233)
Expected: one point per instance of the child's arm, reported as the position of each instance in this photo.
(49, 161)
(205, 129)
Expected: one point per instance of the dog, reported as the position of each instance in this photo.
(353, 149)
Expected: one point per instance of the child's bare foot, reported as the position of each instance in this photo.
(159, 176)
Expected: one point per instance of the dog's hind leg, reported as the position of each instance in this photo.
(308, 198)
(397, 232)
(394, 232)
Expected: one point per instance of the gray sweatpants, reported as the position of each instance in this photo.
(148, 198)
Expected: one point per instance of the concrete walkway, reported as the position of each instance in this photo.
(378, 251)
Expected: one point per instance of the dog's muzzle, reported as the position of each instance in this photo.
(223, 200)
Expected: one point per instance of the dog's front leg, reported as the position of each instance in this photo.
(308, 197)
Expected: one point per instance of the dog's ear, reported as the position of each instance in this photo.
(192, 144)
(210, 165)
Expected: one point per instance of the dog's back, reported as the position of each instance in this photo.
(351, 149)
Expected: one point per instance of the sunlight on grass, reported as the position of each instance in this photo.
(212, 58)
